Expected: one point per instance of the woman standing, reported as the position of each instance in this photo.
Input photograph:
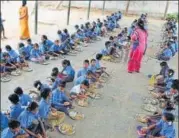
(139, 41)
(24, 27)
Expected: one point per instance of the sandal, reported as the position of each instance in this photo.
(66, 129)
(148, 100)
(141, 118)
(149, 108)
(76, 116)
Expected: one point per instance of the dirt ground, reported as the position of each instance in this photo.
(113, 115)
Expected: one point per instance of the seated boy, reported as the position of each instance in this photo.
(78, 91)
(84, 70)
(59, 99)
(14, 130)
(28, 49)
(87, 77)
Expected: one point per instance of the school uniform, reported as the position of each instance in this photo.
(28, 49)
(44, 108)
(62, 37)
(7, 133)
(93, 68)
(165, 55)
(80, 79)
(164, 71)
(58, 98)
(82, 72)
(98, 66)
(70, 72)
(36, 54)
(25, 99)
(56, 83)
(15, 111)
(4, 121)
(168, 81)
(44, 86)
(176, 46)
(13, 55)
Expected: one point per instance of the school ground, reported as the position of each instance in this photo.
(113, 115)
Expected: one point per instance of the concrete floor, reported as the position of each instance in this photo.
(112, 116)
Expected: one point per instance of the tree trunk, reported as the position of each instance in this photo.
(127, 7)
(166, 9)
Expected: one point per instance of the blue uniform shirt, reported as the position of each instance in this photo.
(58, 98)
(35, 53)
(44, 109)
(13, 55)
(168, 82)
(15, 111)
(7, 133)
(56, 83)
(4, 121)
(82, 72)
(167, 53)
(28, 49)
(70, 71)
(55, 48)
(166, 130)
(26, 118)
(92, 68)
(80, 79)
(98, 66)
(24, 99)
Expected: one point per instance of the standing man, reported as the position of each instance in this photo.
(2, 27)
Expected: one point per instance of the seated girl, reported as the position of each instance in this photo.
(68, 73)
(59, 99)
(62, 36)
(12, 54)
(16, 108)
(55, 79)
(164, 128)
(24, 99)
(87, 77)
(36, 55)
(166, 53)
(31, 122)
(98, 66)
(14, 130)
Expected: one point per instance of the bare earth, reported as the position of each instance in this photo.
(112, 116)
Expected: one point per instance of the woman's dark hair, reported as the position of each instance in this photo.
(38, 84)
(62, 84)
(163, 64)
(24, 2)
(18, 91)
(45, 93)
(13, 98)
(169, 117)
(21, 45)
(99, 56)
(140, 23)
(86, 61)
(12, 124)
(32, 106)
(45, 37)
(8, 47)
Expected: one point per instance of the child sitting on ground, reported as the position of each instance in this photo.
(28, 48)
(87, 77)
(84, 70)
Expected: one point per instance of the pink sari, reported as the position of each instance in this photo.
(136, 54)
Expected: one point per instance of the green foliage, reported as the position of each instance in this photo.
(173, 16)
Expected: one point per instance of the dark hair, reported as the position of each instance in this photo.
(85, 82)
(175, 84)
(171, 72)
(169, 106)
(99, 56)
(169, 117)
(62, 84)
(12, 124)
(111, 38)
(93, 60)
(45, 37)
(163, 64)
(86, 61)
(14, 98)
(140, 23)
(18, 91)
(65, 30)
(45, 93)
(38, 84)
(89, 72)
(21, 45)
(36, 44)
(77, 26)
(5, 54)
(59, 32)
(29, 40)
(8, 47)
(55, 69)
(32, 106)
(107, 43)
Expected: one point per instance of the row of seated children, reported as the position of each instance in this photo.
(166, 91)
(29, 118)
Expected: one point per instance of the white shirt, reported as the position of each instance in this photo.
(76, 89)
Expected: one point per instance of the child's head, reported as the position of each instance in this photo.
(14, 126)
(46, 93)
(44, 37)
(99, 56)
(21, 45)
(13, 98)
(8, 48)
(33, 107)
(93, 62)
(175, 86)
(59, 32)
(29, 41)
(107, 44)
(85, 85)
(111, 38)
(62, 86)
(169, 106)
(65, 31)
(168, 117)
(89, 74)
(36, 46)
(65, 63)
(86, 63)
(57, 42)
(5, 55)
(171, 72)
(18, 91)
(76, 26)
(37, 84)
(163, 64)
